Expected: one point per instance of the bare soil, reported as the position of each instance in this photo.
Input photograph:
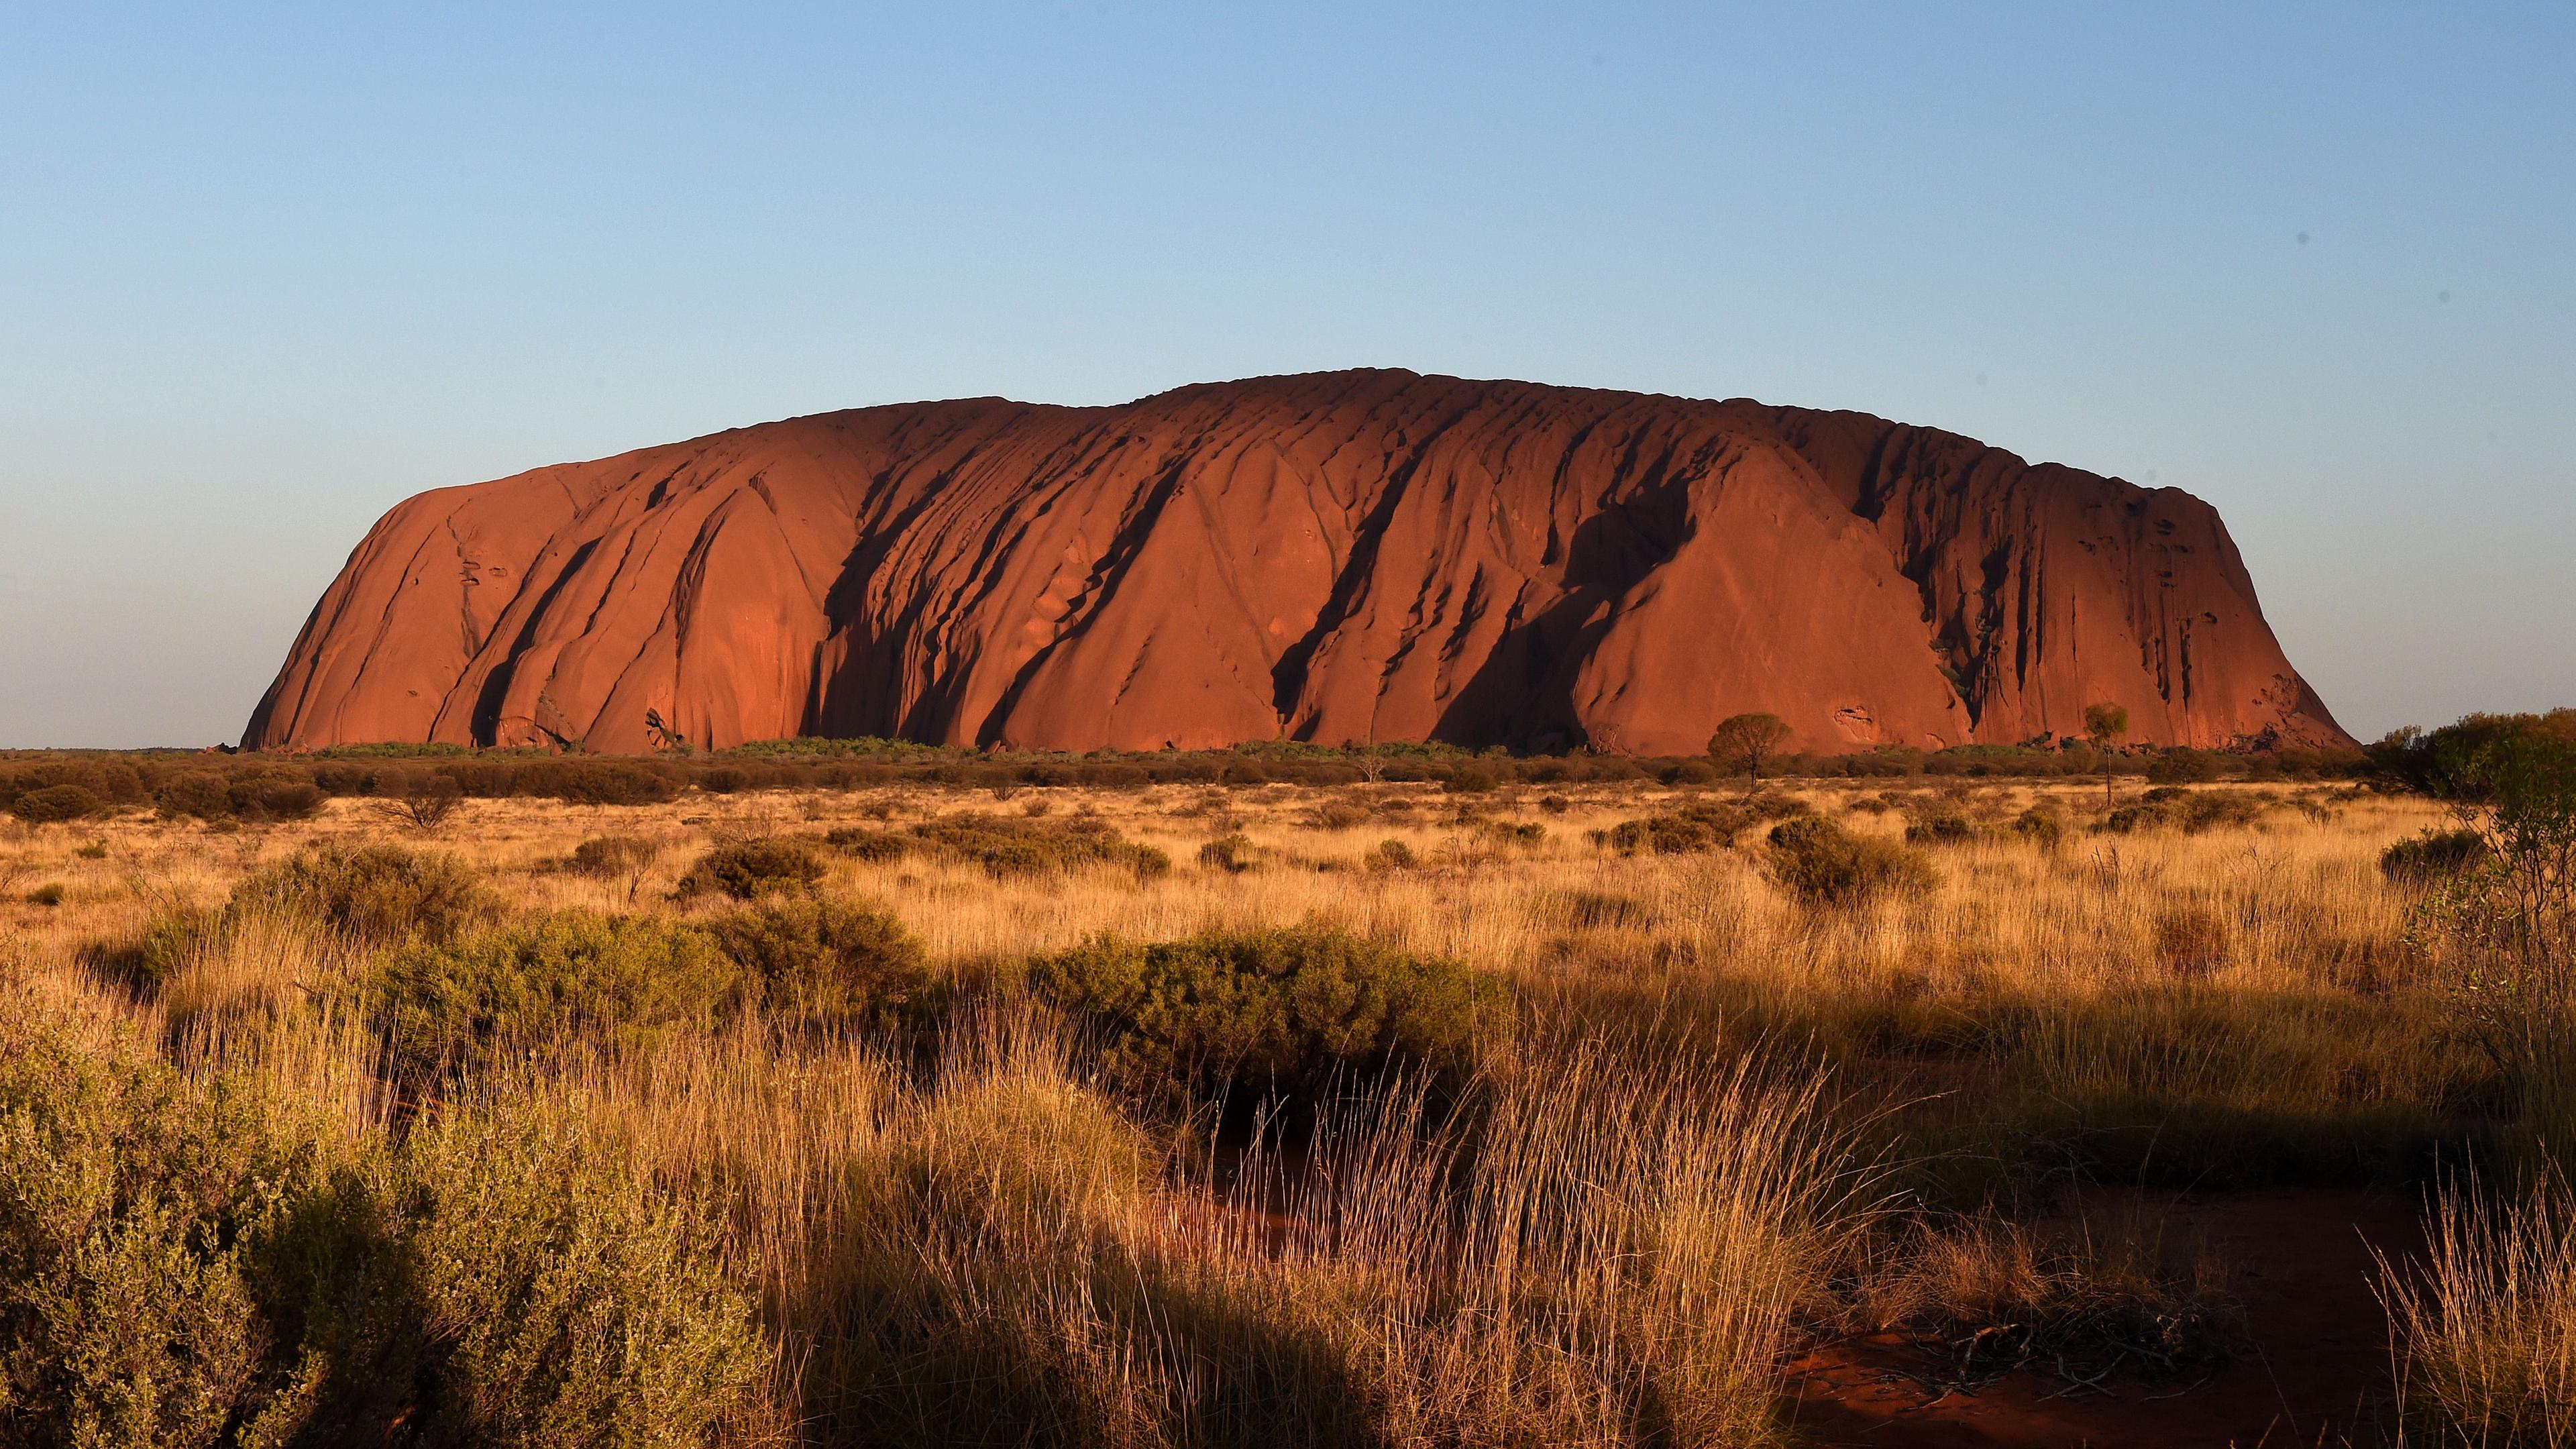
(2312, 1368)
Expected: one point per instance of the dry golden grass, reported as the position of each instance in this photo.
(1723, 1104)
(2487, 1329)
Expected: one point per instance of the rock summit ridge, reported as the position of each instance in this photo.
(1347, 557)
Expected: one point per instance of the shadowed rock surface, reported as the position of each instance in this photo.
(1341, 557)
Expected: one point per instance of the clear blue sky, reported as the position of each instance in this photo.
(265, 271)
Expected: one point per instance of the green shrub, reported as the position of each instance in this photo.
(2132, 819)
(2185, 767)
(1665, 835)
(873, 846)
(749, 869)
(2040, 826)
(2170, 807)
(1821, 863)
(179, 1265)
(276, 797)
(1689, 772)
(201, 794)
(135, 1208)
(1390, 855)
(2434, 855)
(1698, 826)
(376, 895)
(48, 895)
(166, 942)
(571, 976)
(1338, 815)
(595, 782)
(55, 804)
(1940, 827)
(1264, 1011)
(611, 857)
(421, 799)
(831, 964)
(2220, 809)
(1006, 847)
(568, 1305)
(1234, 854)
(1468, 780)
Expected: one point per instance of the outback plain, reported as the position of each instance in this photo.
(848, 1092)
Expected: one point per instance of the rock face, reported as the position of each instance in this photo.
(1343, 557)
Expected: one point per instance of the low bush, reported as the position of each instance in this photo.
(198, 794)
(1234, 854)
(1468, 780)
(1821, 863)
(421, 799)
(873, 846)
(594, 782)
(180, 1264)
(375, 895)
(1390, 855)
(1697, 826)
(2040, 826)
(2434, 855)
(55, 804)
(613, 857)
(573, 976)
(277, 797)
(155, 953)
(566, 1304)
(1940, 827)
(2221, 810)
(1006, 847)
(1682, 834)
(829, 964)
(2185, 767)
(137, 1217)
(2170, 807)
(1270, 1011)
(48, 895)
(749, 869)
(2132, 819)
(1689, 772)
(1338, 815)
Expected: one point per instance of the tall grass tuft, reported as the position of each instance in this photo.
(2486, 1333)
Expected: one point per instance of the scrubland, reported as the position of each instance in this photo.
(1227, 1114)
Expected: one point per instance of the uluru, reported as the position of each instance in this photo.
(1345, 558)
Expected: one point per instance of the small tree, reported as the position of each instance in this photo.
(422, 801)
(1744, 741)
(2105, 725)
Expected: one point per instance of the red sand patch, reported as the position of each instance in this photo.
(2314, 1369)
